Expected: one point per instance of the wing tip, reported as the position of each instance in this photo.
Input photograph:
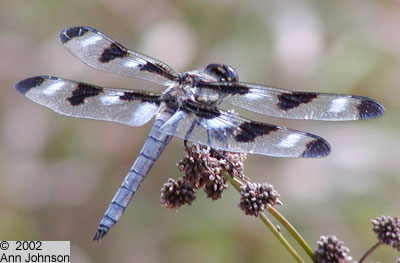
(317, 148)
(72, 32)
(25, 85)
(370, 109)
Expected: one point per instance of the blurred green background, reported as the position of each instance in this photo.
(58, 174)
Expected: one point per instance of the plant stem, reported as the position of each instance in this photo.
(293, 232)
(280, 237)
(369, 252)
(236, 183)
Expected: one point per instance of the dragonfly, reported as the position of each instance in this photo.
(188, 108)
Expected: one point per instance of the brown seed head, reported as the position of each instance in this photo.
(214, 186)
(175, 194)
(203, 167)
(387, 229)
(198, 165)
(200, 162)
(254, 198)
(332, 250)
(237, 159)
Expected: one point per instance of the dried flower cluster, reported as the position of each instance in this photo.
(214, 186)
(254, 198)
(237, 160)
(387, 229)
(332, 250)
(198, 165)
(175, 194)
(202, 168)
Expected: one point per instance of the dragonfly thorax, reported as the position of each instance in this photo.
(189, 88)
(207, 96)
(193, 83)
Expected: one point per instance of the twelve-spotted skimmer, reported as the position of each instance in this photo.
(187, 108)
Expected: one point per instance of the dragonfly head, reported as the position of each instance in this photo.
(222, 72)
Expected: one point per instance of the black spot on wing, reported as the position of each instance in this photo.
(112, 52)
(157, 69)
(289, 101)
(82, 92)
(25, 85)
(316, 148)
(144, 97)
(369, 108)
(249, 131)
(70, 33)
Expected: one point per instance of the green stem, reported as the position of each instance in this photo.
(293, 232)
(369, 252)
(280, 237)
(237, 184)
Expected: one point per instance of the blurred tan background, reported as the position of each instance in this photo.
(58, 174)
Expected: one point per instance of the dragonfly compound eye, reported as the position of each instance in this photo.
(222, 72)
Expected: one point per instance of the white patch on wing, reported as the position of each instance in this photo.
(131, 64)
(143, 113)
(91, 40)
(52, 89)
(111, 99)
(253, 96)
(338, 105)
(134, 63)
(290, 141)
(216, 123)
